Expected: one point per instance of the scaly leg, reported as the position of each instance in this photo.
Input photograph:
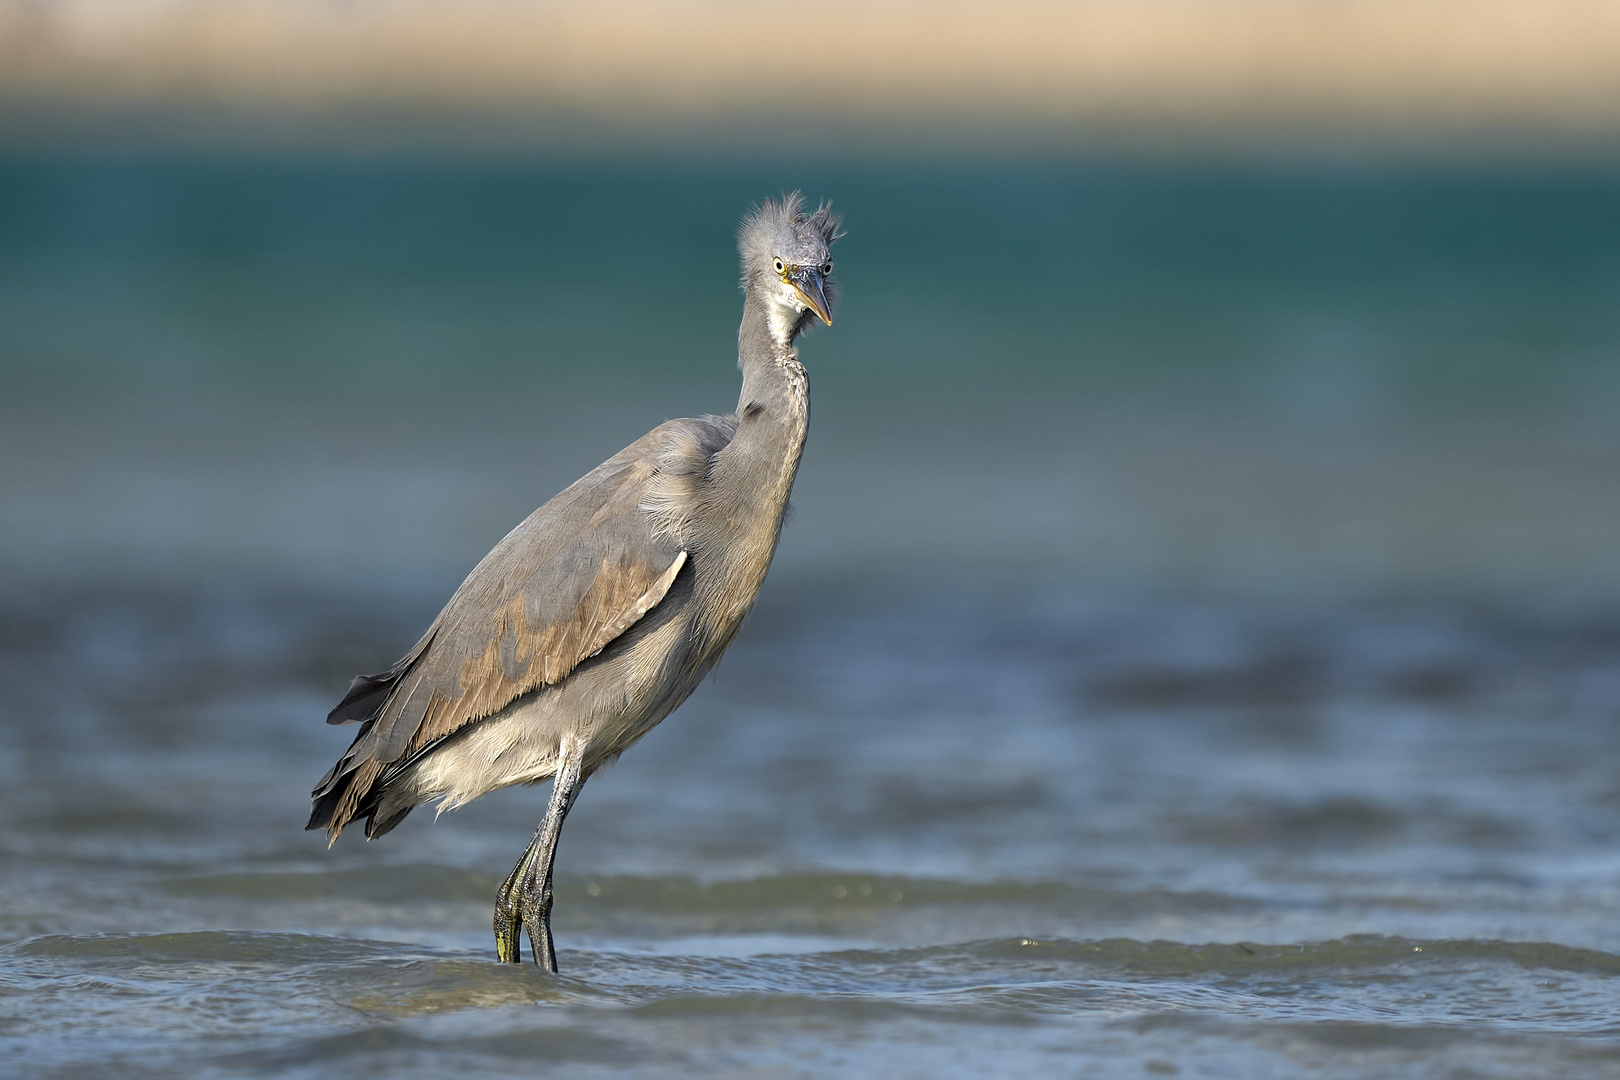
(525, 899)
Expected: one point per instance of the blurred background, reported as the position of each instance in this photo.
(1207, 531)
(1215, 292)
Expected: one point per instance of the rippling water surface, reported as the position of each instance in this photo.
(936, 838)
(1256, 719)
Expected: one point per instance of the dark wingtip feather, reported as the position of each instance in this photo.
(330, 795)
(364, 697)
(320, 814)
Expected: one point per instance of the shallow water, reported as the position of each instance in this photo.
(1220, 681)
(1019, 835)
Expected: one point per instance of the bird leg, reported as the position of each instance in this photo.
(524, 901)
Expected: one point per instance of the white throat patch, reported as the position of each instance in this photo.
(783, 306)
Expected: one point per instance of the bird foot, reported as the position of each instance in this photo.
(524, 904)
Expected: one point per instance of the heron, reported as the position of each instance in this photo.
(602, 611)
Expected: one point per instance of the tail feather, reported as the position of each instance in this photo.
(351, 793)
(338, 796)
(377, 824)
(350, 789)
(354, 787)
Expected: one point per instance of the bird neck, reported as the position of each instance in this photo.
(751, 478)
(774, 382)
(755, 472)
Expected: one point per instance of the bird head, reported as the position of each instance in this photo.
(787, 260)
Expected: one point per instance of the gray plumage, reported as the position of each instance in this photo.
(597, 616)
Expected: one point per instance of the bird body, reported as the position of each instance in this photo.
(598, 615)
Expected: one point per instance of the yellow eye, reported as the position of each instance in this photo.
(779, 267)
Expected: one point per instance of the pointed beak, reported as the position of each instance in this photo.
(808, 283)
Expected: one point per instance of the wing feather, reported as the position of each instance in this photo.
(556, 591)
(538, 630)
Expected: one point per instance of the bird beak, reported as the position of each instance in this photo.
(812, 290)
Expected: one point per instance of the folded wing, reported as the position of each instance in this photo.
(557, 590)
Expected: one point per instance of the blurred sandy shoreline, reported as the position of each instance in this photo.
(1548, 70)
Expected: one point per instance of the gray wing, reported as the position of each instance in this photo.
(558, 589)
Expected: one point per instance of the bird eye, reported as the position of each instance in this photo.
(779, 266)
(826, 268)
